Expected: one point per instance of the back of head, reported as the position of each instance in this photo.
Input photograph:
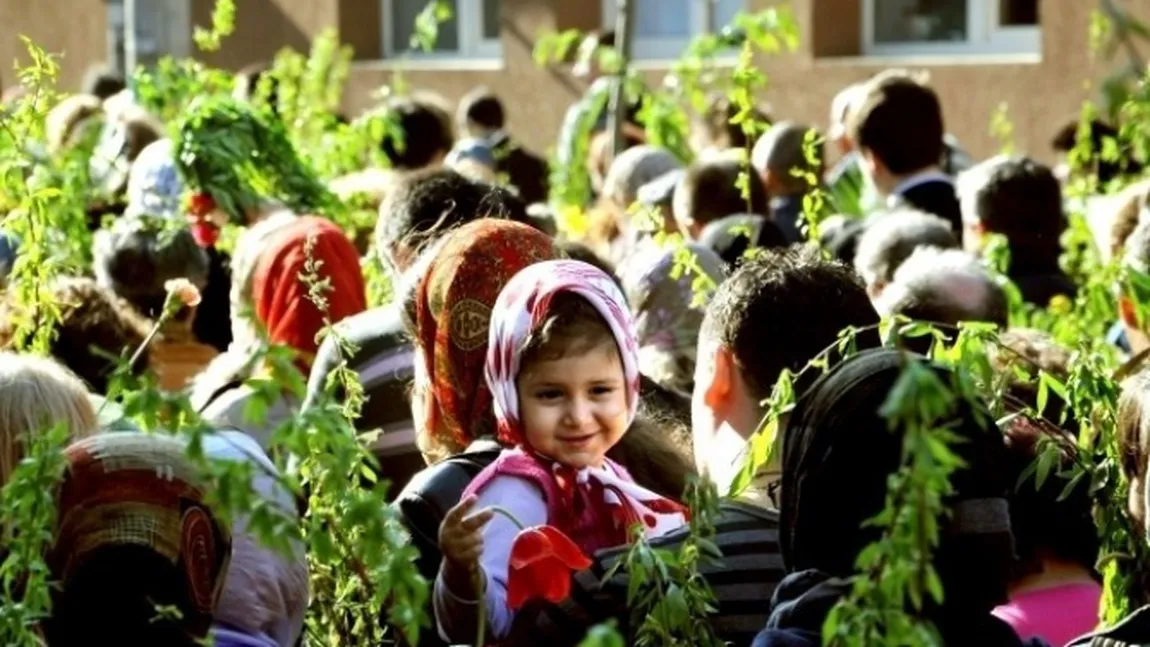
(66, 123)
(780, 309)
(480, 111)
(715, 130)
(839, 453)
(424, 206)
(35, 394)
(251, 77)
(134, 259)
(890, 240)
(945, 287)
(101, 82)
(899, 120)
(93, 324)
(710, 191)
(1100, 132)
(133, 533)
(634, 168)
(733, 236)
(426, 134)
(780, 151)
(1131, 203)
(1020, 199)
(842, 108)
(281, 293)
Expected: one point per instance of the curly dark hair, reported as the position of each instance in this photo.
(779, 310)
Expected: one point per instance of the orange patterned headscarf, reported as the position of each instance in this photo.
(453, 315)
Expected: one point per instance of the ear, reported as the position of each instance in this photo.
(874, 290)
(722, 379)
(1127, 312)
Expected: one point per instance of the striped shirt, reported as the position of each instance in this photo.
(742, 582)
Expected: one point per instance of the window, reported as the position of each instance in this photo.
(472, 32)
(664, 27)
(893, 27)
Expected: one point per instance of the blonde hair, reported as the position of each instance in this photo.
(36, 393)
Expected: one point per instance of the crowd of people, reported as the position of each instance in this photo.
(524, 374)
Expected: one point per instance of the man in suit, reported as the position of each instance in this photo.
(481, 116)
(898, 130)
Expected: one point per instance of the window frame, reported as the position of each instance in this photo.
(985, 35)
(660, 49)
(472, 44)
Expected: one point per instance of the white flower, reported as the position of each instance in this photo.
(184, 290)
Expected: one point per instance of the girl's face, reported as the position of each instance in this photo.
(574, 408)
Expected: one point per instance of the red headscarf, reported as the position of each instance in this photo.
(453, 314)
(281, 297)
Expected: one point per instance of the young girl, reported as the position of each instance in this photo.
(562, 366)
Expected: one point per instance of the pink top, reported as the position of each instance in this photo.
(1057, 614)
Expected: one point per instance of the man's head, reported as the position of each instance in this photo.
(779, 153)
(777, 311)
(1020, 199)
(101, 82)
(946, 287)
(898, 128)
(842, 107)
(889, 241)
(427, 136)
(713, 130)
(710, 191)
(587, 66)
(480, 113)
(426, 205)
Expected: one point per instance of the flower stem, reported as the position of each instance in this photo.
(507, 513)
(480, 589)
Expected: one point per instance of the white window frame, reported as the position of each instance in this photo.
(472, 44)
(985, 35)
(662, 49)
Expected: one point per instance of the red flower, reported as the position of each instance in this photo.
(542, 560)
(201, 204)
(205, 233)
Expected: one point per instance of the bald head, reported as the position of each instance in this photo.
(779, 152)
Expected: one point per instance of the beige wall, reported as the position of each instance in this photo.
(1042, 93)
(73, 28)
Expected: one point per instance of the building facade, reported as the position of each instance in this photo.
(1033, 55)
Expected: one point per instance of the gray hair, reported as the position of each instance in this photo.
(635, 167)
(890, 240)
(944, 286)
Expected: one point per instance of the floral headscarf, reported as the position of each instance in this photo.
(523, 306)
(454, 310)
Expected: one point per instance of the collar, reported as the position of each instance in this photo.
(918, 179)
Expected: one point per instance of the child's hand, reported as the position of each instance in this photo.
(461, 536)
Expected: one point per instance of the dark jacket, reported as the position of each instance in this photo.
(215, 311)
(1134, 631)
(426, 500)
(803, 600)
(1039, 286)
(937, 197)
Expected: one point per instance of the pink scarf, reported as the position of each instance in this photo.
(522, 306)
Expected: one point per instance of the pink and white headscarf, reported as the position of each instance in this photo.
(524, 304)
